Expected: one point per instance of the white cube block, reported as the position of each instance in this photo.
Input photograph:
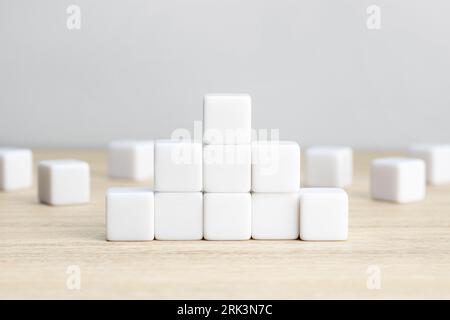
(398, 179)
(131, 159)
(63, 182)
(329, 167)
(323, 214)
(437, 159)
(227, 119)
(275, 215)
(179, 216)
(227, 168)
(16, 169)
(178, 166)
(227, 216)
(129, 214)
(275, 166)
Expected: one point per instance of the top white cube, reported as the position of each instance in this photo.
(131, 159)
(437, 159)
(329, 167)
(16, 168)
(227, 119)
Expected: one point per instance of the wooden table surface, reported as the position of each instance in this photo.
(405, 247)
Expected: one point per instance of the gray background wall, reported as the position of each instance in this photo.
(139, 69)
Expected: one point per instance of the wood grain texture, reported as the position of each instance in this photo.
(409, 243)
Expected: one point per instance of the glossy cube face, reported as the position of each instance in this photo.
(227, 119)
(329, 167)
(64, 182)
(178, 166)
(16, 169)
(227, 216)
(132, 159)
(275, 216)
(227, 168)
(129, 214)
(275, 166)
(179, 216)
(437, 159)
(323, 214)
(399, 180)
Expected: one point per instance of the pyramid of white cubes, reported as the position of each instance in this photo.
(226, 187)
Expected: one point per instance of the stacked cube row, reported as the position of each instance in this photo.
(224, 188)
